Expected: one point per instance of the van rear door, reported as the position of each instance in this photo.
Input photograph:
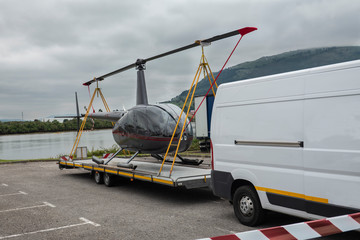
(332, 141)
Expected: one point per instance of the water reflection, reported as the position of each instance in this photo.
(45, 145)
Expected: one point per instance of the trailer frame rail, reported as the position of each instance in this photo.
(188, 181)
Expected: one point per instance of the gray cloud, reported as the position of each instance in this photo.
(49, 48)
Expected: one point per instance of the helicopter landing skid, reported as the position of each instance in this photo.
(97, 160)
(100, 161)
(190, 161)
(185, 161)
(128, 164)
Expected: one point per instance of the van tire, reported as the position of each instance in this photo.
(247, 206)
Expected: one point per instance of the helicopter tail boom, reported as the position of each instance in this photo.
(108, 116)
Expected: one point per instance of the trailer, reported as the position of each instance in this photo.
(147, 168)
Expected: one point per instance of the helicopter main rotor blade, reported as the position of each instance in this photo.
(242, 32)
(110, 74)
(118, 71)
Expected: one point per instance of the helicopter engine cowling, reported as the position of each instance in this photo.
(148, 129)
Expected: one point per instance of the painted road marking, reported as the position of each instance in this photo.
(46, 204)
(225, 230)
(12, 194)
(304, 230)
(4, 184)
(84, 222)
(89, 222)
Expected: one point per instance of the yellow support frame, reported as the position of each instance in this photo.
(205, 68)
(78, 136)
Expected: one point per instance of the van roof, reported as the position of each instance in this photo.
(308, 71)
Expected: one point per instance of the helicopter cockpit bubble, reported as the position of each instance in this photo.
(150, 128)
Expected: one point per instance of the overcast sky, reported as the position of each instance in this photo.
(49, 48)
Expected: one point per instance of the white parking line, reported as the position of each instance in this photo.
(89, 222)
(12, 194)
(4, 184)
(46, 204)
(49, 204)
(84, 222)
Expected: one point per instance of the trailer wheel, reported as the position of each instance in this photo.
(108, 180)
(98, 176)
(247, 206)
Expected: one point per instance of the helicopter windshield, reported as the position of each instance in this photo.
(175, 112)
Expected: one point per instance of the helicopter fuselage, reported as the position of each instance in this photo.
(149, 128)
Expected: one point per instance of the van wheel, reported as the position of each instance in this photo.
(98, 176)
(247, 206)
(108, 180)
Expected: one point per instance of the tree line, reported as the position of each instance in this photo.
(38, 126)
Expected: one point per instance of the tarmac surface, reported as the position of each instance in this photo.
(39, 201)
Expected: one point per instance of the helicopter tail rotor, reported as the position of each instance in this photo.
(78, 116)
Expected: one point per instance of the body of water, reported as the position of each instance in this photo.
(46, 145)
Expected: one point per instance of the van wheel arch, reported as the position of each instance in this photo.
(238, 183)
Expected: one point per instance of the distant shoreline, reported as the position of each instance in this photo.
(37, 126)
(55, 132)
(27, 161)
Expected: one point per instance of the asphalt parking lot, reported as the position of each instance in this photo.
(39, 201)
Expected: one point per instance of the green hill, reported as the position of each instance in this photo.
(285, 62)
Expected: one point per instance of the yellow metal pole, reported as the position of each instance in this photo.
(83, 124)
(105, 104)
(212, 88)
(104, 101)
(206, 74)
(177, 123)
(78, 136)
(206, 65)
(183, 127)
(212, 75)
(97, 92)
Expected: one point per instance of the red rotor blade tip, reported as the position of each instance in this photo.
(246, 30)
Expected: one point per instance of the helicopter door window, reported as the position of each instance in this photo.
(167, 107)
(129, 122)
(142, 123)
(158, 119)
(177, 111)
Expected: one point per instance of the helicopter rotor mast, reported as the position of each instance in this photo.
(141, 62)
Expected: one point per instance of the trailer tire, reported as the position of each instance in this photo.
(108, 180)
(98, 176)
(247, 206)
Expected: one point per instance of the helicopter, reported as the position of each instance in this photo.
(148, 128)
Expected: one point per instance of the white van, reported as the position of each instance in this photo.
(289, 143)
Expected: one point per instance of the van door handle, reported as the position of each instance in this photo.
(299, 144)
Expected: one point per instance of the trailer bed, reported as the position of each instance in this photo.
(188, 176)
